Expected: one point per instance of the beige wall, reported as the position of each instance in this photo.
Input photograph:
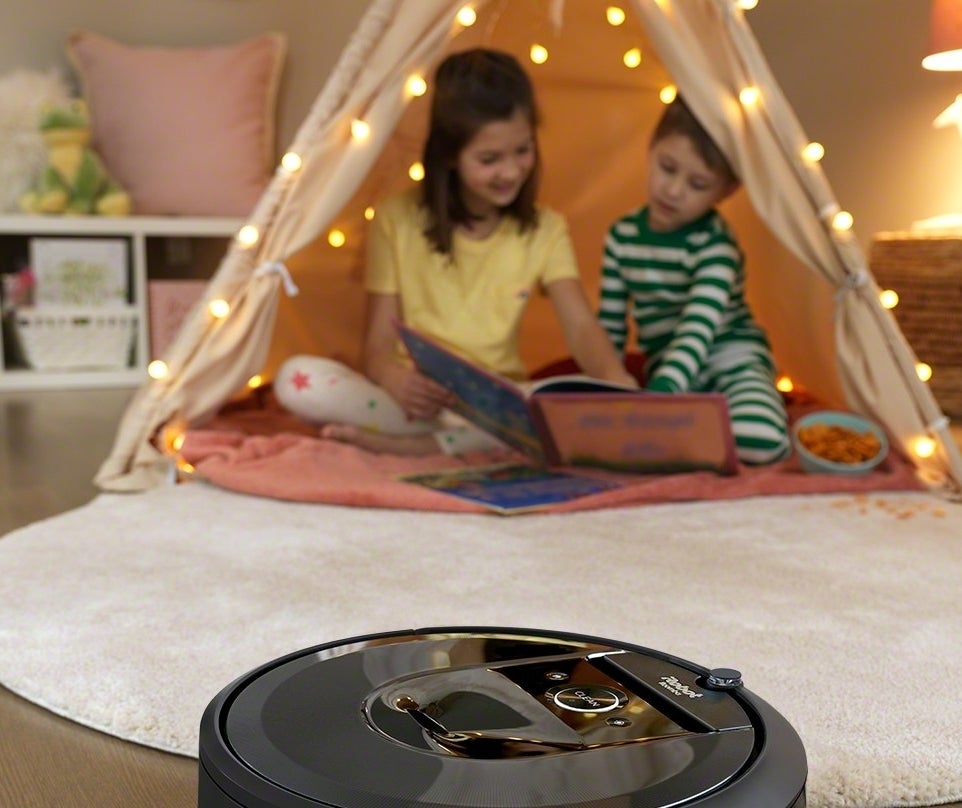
(850, 67)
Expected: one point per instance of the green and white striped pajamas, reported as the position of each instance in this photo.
(685, 292)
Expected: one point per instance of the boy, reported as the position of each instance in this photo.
(676, 268)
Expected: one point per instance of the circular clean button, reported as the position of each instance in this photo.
(589, 699)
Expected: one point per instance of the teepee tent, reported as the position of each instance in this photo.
(808, 280)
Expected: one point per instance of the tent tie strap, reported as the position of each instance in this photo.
(939, 424)
(278, 268)
(853, 280)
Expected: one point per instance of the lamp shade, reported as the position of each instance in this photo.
(945, 36)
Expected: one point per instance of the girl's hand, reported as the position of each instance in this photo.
(421, 398)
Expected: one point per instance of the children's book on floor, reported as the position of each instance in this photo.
(511, 488)
(576, 420)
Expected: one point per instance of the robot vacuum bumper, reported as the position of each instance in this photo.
(494, 718)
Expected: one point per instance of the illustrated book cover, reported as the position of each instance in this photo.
(577, 420)
(512, 488)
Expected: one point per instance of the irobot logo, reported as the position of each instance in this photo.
(673, 685)
(589, 699)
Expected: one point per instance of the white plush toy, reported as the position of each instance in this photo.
(23, 153)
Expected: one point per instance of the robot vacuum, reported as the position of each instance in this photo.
(494, 718)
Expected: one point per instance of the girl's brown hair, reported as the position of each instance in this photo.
(472, 88)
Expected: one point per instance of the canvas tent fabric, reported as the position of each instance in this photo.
(813, 291)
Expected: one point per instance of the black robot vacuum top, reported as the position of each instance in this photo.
(494, 718)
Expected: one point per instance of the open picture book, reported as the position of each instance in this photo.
(575, 420)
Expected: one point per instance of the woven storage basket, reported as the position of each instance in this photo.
(76, 337)
(926, 272)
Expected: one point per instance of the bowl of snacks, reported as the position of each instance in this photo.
(829, 442)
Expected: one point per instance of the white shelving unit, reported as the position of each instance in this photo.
(160, 247)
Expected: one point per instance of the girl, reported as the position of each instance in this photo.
(457, 258)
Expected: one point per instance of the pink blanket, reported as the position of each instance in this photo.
(266, 452)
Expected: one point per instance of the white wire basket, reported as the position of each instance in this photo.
(76, 337)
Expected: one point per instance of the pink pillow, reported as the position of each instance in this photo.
(185, 131)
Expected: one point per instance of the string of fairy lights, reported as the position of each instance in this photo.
(839, 221)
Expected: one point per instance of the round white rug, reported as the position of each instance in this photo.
(131, 613)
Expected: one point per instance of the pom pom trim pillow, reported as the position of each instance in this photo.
(185, 131)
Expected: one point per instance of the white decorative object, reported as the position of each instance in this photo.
(23, 93)
(80, 271)
(73, 337)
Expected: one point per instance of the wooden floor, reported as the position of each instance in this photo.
(51, 444)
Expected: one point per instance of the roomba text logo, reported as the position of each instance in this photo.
(673, 685)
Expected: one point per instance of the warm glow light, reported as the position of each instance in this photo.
(360, 130)
(784, 384)
(923, 446)
(177, 441)
(746, 5)
(184, 467)
(842, 221)
(538, 54)
(923, 371)
(336, 238)
(255, 381)
(944, 47)
(291, 162)
(416, 172)
(813, 152)
(158, 369)
(749, 96)
(248, 235)
(615, 15)
(889, 298)
(416, 85)
(668, 93)
(632, 58)
(219, 308)
(467, 16)
(369, 213)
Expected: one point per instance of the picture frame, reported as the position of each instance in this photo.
(80, 271)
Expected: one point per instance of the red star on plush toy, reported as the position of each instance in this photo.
(300, 381)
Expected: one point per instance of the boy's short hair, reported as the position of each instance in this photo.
(677, 119)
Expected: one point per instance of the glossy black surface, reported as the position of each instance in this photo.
(499, 718)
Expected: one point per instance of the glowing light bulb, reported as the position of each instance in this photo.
(369, 213)
(416, 172)
(218, 308)
(746, 5)
(784, 384)
(923, 371)
(255, 381)
(923, 446)
(668, 93)
(813, 152)
(177, 441)
(615, 15)
(248, 235)
(416, 86)
(749, 96)
(336, 238)
(889, 298)
(467, 16)
(291, 162)
(360, 130)
(632, 58)
(842, 221)
(538, 54)
(158, 369)
(184, 467)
